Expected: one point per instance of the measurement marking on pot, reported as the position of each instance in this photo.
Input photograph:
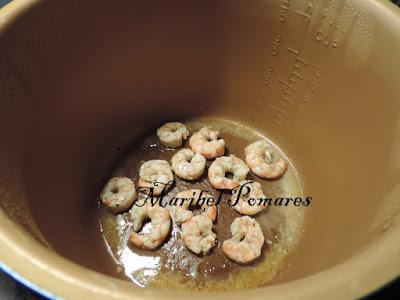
(289, 87)
(328, 37)
(291, 50)
(335, 24)
(285, 7)
(296, 75)
(260, 103)
(268, 75)
(288, 84)
(276, 43)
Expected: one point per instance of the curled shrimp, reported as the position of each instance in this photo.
(262, 162)
(172, 134)
(160, 226)
(118, 194)
(138, 213)
(156, 174)
(227, 164)
(197, 234)
(181, 213)
(187, 164)
(206, 142)
(246, 242)
(246, 198)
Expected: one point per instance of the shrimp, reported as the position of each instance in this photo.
(181, 214)
(227, 164)
(172, 134)
(118, 194)
(156, 174)
(160, 226)
(138, 214)
(197, 234)
(261, 161)
(188, 165)
(240, 197)
(246, 242)
(206, 142)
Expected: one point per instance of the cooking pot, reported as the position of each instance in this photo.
(79, 80)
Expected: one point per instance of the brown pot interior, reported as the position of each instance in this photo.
(81, 80)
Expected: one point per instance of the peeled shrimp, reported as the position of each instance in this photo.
(197, 234)
(181, 214)
(118, 194)
(246, 242)
(138, 213)
(227, 164)
(206, 142)
(160, 226)
(245, 199)
(261, 161)
(187, 164)
(172, 134)
(156, 174)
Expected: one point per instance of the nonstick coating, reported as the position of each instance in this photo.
(80, 80)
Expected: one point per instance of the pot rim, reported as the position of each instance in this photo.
(53, 276)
